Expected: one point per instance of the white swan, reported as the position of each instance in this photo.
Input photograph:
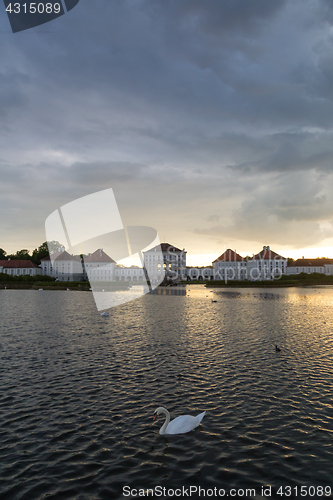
(179, 425)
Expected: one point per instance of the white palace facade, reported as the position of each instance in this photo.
(265, 265)
(19, 268)
(166, 262)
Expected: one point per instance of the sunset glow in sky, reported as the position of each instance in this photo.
(307, 253)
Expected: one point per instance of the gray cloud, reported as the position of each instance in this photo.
(285, 210)
(220, 111)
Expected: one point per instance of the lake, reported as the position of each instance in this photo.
(78, 394)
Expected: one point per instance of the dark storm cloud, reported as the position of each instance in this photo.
(215, 17)
(293, 151)
(12, 94)
(147, 50)
(152, 51)
(218, 101)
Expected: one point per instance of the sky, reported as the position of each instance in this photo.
(212, 121)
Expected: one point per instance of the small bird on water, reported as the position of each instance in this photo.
(277, 349)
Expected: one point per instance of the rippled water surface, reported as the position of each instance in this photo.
(78, 393)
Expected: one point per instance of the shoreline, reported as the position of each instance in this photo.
(12, 286)
(263, 284)
(86, 288)
(39, 286)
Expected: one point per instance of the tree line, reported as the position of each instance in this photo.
(36, 255)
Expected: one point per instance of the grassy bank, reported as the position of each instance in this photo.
(47, 283)
(302, 279)
(45, 286)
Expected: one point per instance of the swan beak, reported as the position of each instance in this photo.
(155, 415)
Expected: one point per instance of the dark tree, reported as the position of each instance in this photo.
(22, 255)
(40, 253)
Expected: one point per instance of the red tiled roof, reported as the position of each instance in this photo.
(66, 256)
(98, 256)
(310, 262)
(230, 256)
(18, 264)
(267, 255)
(165, 247)
(60, 256)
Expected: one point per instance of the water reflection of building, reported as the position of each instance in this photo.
(170, 290)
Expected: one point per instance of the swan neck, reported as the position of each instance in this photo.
(166, 422)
